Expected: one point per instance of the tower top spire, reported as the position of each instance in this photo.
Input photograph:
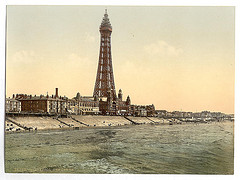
(105, 22)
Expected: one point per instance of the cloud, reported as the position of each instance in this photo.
(76, 58)
(163, 49)
(75, 61)
(89, 38)
(23, 56)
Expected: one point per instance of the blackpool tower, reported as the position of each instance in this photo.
(104, 80)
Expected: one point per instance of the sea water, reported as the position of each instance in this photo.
(138, 149)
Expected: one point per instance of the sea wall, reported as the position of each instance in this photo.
(32, 123)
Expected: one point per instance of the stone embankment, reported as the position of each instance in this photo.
(32, 123)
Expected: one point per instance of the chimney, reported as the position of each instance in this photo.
(13, 96)
(56, 93)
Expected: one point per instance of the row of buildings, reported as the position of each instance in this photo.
(79, 105)
(182, 114)
(53, 104)
(83, 105)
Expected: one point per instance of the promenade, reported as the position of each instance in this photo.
(20, 124)
(35, 123)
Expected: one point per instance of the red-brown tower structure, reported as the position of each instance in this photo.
(105, 79)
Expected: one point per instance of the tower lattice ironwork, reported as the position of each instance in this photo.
(105, 80)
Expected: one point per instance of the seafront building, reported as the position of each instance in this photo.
(89, 105)
(78, 105)
(13, 105)
(42, 104)
(53, 104)
(85, 104)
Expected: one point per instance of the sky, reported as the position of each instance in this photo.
(177, 58)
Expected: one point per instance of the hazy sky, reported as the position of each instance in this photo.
(177, 58)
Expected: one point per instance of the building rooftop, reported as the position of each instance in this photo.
(33, 98)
